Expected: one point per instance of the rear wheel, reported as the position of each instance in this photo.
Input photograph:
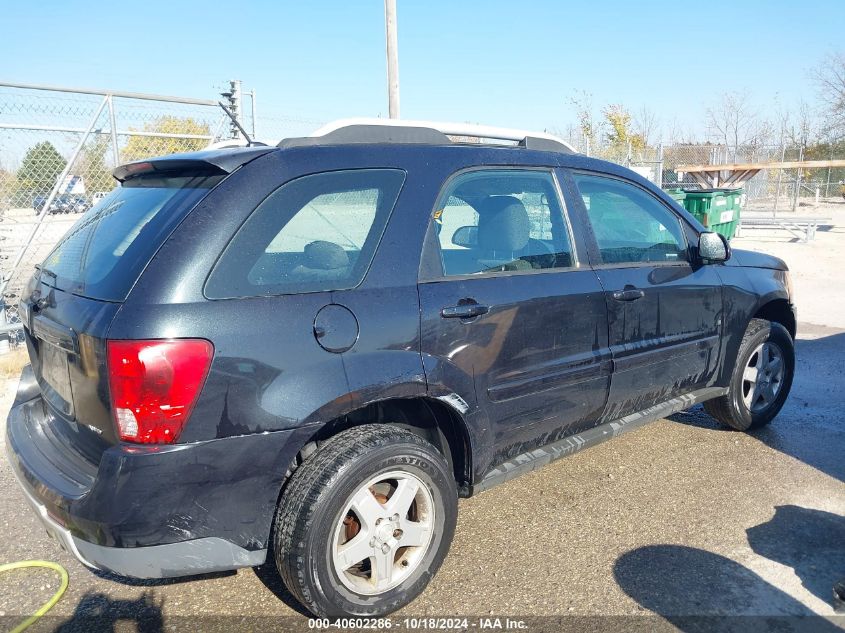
(365, 522)
(761, 379)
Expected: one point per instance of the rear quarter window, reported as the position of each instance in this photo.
(313, 234)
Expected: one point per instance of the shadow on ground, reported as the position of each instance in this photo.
(98, 612)
(808, 428)
(675, 581)
(812, 542)
(698, 591)
(159, 582)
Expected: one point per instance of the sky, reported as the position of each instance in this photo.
(515, 63)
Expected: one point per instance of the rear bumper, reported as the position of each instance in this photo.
(198, 556)
(151, 511)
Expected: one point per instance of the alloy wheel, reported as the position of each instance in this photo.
(384, 533)
(762, 378)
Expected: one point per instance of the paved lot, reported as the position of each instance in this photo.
(677, 518)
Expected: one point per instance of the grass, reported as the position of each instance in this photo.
(12, 362)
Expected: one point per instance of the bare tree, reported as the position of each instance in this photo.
(829, 77)
(735, 122)
(797, 127)
(589, 126)
(571, 134)
(678, 133)
(646, 125)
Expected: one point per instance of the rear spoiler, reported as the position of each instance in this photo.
(223, 161)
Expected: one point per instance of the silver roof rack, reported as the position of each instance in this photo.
(370, 130)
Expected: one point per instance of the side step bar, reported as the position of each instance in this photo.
(539, 457)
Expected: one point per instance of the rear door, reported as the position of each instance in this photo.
(510, 309)
(664, 309)
(74, 295)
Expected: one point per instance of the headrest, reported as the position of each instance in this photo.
(502, 224)
(325, 255)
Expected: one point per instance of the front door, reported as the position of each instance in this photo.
(509, 309)
(664, 309)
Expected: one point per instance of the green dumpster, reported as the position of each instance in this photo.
(679, 195)
(717, 209)
(738, 196)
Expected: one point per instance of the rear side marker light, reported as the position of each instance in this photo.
(154, 385)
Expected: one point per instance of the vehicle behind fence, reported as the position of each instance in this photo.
(57, 150)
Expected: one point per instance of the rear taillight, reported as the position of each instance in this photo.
(154, 386)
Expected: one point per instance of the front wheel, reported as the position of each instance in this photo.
(761, 380)
(365, 522)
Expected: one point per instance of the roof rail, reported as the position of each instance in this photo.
(369, 130)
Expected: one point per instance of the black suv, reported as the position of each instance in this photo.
(310, 351)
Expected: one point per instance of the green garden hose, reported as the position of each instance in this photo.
(44, 608)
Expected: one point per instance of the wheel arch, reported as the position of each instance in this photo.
(434, 419)
(773, 306)
(431, 418)
(778, 310)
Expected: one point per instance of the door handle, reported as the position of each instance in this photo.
(629, 293)
(464, 311)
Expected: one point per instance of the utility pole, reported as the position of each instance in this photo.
(392, 58)
(252, 105)
(233, 96)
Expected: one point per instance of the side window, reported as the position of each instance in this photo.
(501, 220)
(629, 224)
(313, 234)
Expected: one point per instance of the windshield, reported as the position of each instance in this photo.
(105, 251)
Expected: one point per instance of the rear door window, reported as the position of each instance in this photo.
(313, 234)
(499, 220)
(103, 254)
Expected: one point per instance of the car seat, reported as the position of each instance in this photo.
(503, 231)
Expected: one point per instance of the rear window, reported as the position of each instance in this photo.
(103, 254)
(314, 233)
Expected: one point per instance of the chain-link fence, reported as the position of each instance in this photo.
(646, 160)
(59, 146)
(769, 188)
(42, 130)
(57, 151)
(272, 126)
(269, 124)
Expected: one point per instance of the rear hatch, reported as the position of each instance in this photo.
(74, 295)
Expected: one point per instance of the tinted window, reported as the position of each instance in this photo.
(313, 234)
(501, 220)
(630, 225)
(105, 251)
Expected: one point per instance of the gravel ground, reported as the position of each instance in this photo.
(678, 518)
(816, 266)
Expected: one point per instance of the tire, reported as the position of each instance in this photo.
(767, 397)
(341, 480)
